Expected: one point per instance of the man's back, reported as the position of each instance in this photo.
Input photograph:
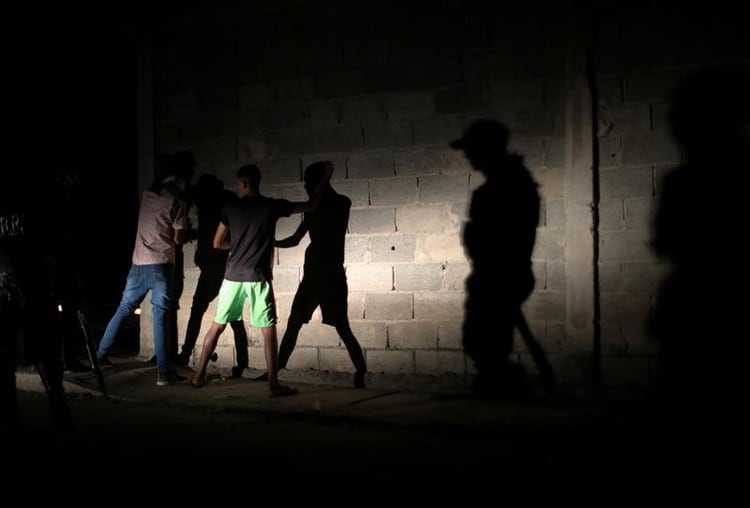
(327, 227)
(159, 216)
(251, 221)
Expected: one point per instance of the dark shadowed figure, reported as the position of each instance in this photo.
(182, 165)
(27, 304)
(324, 281)
(700, 313)
(209, 198)
(702, 214)
(499, 239)
(70, 200)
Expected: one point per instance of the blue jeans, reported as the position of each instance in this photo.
(159, 279)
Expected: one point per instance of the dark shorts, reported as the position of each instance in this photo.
(328, 290)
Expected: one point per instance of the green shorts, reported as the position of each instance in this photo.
(231, 302)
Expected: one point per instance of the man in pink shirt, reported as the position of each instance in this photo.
(161, 226)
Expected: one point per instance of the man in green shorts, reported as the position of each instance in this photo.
(247, 229)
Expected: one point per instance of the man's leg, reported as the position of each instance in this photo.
(240, 346)
(132, 296)
(197, 310)
(270, 347)
(209, 346)
(209, 283)
(289, 340)
(355, 353)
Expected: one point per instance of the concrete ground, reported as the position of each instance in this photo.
(230, 441)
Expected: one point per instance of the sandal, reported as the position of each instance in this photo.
(283, 391)
(199, 383)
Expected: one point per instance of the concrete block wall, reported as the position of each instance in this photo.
(381, 88)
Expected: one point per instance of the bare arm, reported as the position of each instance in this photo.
(179, 236)
(220, 238)
(312, 203)
(293, 239)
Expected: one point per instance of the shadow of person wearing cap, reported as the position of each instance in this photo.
(499, 238)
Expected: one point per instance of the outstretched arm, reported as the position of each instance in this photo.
(293, 239)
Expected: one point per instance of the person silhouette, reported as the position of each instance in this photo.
(27, 304)
(499, 238)
(181, 167)
(698, 318)
(324, 280)
(68, 194)
(700, 212)
(209, 198)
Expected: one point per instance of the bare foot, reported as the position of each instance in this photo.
(197, 381)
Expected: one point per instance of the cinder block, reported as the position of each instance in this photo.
(362, 110)
(450, 334)
(388, 134)
(355, 190)
(372, 220)
(338, 139)
(626, 182)
(290, 142)
(437, 362)
(388, 306)
(438, 130)
(463, 99)
(422, 219)
(640, 212)
(335, 360)
(429, 161)
(370, 164)
(392, 248)
(440, 248)
(324, 114)
(412, 105)
(612, 215)
(316, 334)
(390, 362)
(454, 276)
(278, 171)
(393, 191)
(438, 306)
(370, 334)
(286, 116)
(440, 189)
(304, 358)
(217, 150)
(626, 246)
(418, 277)
(356, 249)
(652, 148)
(412, 334)
(374, 277)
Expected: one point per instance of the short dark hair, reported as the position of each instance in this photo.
(251, 173)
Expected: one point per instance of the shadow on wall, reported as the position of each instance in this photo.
(499, 239)
(698, 321)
